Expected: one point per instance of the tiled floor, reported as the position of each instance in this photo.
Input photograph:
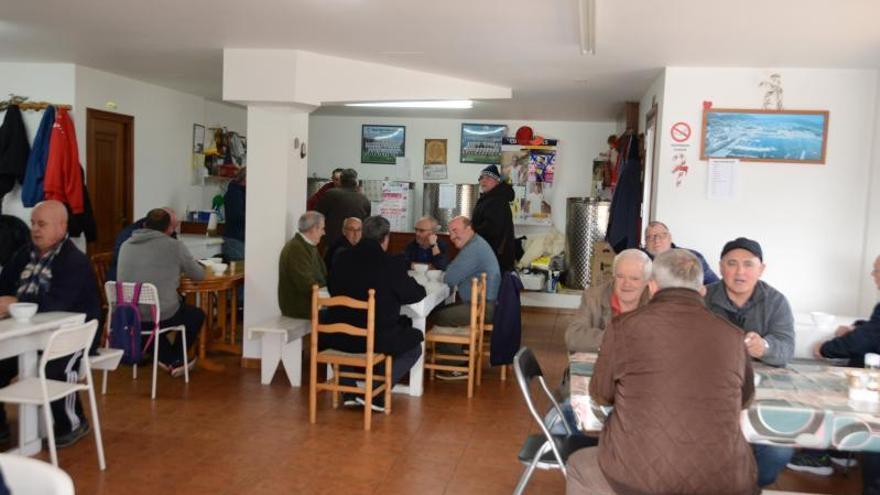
(225, 433)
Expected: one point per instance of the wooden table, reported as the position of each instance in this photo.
(206, 291)
(24, 339)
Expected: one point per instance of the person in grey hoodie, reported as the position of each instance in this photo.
(152, 255)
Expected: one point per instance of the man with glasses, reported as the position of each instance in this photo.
(427, 248)
(659, 240)
(765, 317)
(352, 228)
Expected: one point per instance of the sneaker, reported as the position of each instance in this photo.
(808, 462)
(377, 405)
(845, 462)
(177, 369)
(72, 437)
(349, 400)
(451, 375)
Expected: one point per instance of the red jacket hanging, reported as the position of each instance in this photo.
(64, 177)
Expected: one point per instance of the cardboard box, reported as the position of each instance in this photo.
(600, 264)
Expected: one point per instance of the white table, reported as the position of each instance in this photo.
(436, 294)
(24, 340)
(807, 333)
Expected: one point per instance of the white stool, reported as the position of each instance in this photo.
(281, 340)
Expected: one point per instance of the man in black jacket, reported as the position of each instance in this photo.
(52, 272)
(342, 202)
(492, 218)
(365, 266)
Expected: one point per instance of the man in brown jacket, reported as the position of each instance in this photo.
(678, 377)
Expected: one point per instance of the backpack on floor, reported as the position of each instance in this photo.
(125, 326)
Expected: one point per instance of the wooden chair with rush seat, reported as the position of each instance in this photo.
(367, 360)
(486, 333)
(466, 336)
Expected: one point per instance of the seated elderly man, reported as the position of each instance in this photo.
(426, 247)
(474, 258)
(659, 240)
(300, 266)
(622, 294)
(673, 372)
(53, 273)
(763, 313)
(369, 266)
(151, 255)
(352, 228)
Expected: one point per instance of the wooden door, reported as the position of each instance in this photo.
(110, 174)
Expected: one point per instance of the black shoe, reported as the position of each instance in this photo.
(349, 400)
(72, 437)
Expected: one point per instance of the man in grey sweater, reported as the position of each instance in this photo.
(474, 258)
(765, 316)
(152, 255)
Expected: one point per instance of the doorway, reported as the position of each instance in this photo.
(649, 168)
(110, 174)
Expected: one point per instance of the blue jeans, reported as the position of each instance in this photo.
(233, 249)
(771, 460)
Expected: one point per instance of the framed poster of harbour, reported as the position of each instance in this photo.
(481, 143)
(382, 143)
(792, 136)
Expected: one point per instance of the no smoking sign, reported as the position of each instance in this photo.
(680, 132)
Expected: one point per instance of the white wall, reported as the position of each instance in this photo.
(869, 295)
(810, 219)
(163, 127)
(335, 142)
(39, 82)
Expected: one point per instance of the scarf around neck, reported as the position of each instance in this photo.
(37, 274)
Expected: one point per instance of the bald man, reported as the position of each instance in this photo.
(53, 273)
(352, 228)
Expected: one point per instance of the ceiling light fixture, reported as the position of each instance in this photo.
(416, 104)
(587, 25)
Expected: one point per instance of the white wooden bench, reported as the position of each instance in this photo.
(281, 340)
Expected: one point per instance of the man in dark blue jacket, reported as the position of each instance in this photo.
(658, 239)
(52, 272)
(426, 248)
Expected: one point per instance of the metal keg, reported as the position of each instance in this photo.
(465, 198)
(586, 221)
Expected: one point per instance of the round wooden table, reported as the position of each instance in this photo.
(216, 287)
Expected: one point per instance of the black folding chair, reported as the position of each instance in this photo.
(543, 450)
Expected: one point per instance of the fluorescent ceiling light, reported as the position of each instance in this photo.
(587, 25)
(416, 104)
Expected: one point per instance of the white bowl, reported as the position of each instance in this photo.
(435, 275)
(216, 260)
(219, 268)
(822, 319)
(420, 267)
(23, 311)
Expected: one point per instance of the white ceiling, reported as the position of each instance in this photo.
(529, 45)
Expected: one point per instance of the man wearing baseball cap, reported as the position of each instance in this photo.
(492, 218)
(765, 316)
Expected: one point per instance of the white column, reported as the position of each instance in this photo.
(275, 199)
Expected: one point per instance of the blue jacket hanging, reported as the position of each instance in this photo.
(625, 211)
(506, 322)
(32, 188)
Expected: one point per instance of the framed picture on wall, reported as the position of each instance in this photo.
(198, 138)
(382, 143)
(481, 143)
(792, 136)
(435, 159)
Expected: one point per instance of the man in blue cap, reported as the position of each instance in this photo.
(492, 218)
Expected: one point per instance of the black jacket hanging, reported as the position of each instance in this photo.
(623, 219)
(14, 150)
(83, 223)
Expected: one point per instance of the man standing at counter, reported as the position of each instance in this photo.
(342, 202)
(765, 316)
(492, 218)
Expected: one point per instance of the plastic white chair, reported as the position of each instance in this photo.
(33, 477)
(149, 297)
(40, 391)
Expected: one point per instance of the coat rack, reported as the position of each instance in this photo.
(22, 103)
